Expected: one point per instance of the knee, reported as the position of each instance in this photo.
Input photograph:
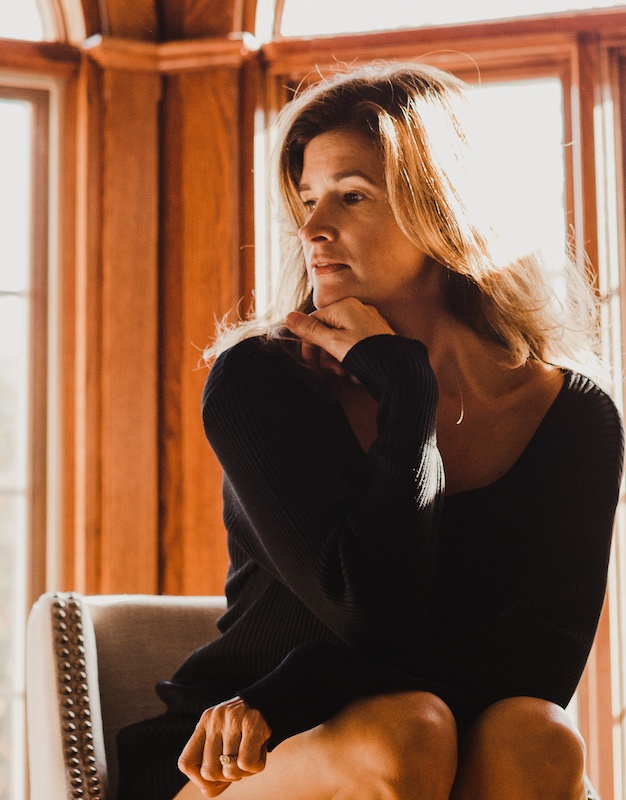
(406, 739)
(537, 737)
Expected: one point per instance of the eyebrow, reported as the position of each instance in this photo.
(338, 176)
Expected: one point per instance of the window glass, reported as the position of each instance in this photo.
(328, 16)
(521, 156)
(15, 169)
(20, 19)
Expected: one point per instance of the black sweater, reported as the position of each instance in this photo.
(353, 573)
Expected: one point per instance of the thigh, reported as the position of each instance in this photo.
(521, 747)
(298, 769)
(359, 754)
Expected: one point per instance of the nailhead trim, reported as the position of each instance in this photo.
(73, 691)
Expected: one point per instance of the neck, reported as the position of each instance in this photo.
(462, 360)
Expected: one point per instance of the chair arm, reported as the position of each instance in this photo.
(65, 738)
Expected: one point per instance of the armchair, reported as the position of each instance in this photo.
(92, 663)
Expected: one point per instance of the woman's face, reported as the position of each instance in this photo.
(351, 241)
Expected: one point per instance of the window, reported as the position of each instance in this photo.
(23, 401)
(327, 16)
(21, 21)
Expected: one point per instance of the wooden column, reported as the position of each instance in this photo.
(202, 279)
(117, 327)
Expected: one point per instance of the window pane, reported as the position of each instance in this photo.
(15, 149)
(13, 392)
(522, 158)
(15, 234)
(328, 16)
(20, 19)
(12, 519)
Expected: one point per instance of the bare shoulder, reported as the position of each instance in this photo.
(541, 386)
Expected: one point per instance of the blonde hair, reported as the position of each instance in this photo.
(414, 114)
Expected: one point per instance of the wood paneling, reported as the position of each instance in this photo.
(117, 520)
(159, 234)
(196, 19)
(129, 332)
(586, 94)
(131, 20)
(201, 281)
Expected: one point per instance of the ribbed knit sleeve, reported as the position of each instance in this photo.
(339, 531)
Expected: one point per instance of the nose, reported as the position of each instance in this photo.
(319, 226)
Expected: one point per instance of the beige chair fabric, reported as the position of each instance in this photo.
(92, 663)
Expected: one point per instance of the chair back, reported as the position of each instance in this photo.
(92, 664)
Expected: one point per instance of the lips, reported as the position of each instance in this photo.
(328, 267)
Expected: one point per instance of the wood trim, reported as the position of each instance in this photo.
(585, 96)
(609, 22)
(88, 323)
(169, 57)
(251, 90)
(456, 54)
(52, 59)
(38, 456)
(596, 713)
(249, 14)
(66, 253)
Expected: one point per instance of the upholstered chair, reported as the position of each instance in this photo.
(92, 663)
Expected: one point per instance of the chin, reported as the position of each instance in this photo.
(326, 296)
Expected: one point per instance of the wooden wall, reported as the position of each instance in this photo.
(161, 156)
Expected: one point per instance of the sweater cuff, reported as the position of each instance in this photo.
(385, 361)
(298, 695)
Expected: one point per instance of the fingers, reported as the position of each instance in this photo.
(336, 328)
(314, 332)
(316, 358)
(253, 746)
(228, 729)
(190, 763)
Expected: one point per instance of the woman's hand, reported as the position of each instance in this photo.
(229, 729)
(333, 330)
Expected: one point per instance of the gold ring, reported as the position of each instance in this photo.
(231, 759)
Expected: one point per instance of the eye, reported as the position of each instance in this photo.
(352, 198)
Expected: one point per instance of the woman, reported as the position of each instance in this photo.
(419, 494)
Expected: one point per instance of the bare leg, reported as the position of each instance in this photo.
(522, 748)
(392, 747)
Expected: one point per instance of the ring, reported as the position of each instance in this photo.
(232, 759)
